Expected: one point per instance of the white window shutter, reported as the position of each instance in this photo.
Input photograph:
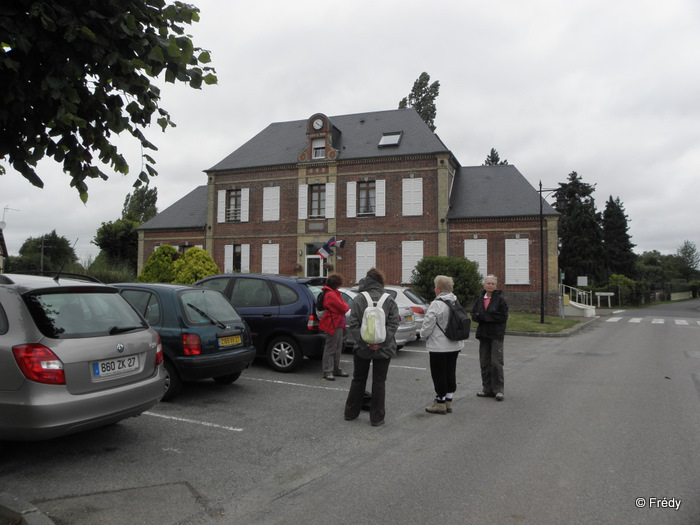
(517, 261)
(270, 258)
(380, 198)
(271, 203)
(228, 258)
(245, 204)
(365, 258)
(303, 201)
(412, 198)
(411, 253)
(330, 200)
(221, 206)
(351, 204)
(476, 250)
(245, 258)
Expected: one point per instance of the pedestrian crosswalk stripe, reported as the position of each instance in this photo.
(658, 321)
(636, 320)
(681, 322)
(614, 319)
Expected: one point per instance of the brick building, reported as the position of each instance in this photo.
(385, 184)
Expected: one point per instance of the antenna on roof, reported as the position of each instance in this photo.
(58, 275)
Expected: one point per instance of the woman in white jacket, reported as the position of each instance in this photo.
(443, 351)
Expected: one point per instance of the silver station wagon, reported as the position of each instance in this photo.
(74, 355)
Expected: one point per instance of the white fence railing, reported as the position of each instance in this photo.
(576, 295)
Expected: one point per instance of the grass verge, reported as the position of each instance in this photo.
(521, 322)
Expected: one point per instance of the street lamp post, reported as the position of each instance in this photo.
(546, 190)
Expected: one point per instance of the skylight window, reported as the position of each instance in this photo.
(390, 139)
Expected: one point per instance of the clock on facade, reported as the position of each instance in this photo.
(317, 124)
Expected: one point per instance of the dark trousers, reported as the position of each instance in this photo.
(491, 360)
(443, 370)
(353, 405)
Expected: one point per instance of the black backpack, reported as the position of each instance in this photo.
(458, 324)
(320, 309)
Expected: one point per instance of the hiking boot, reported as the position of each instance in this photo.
(328, 377)
(438, 407)
(340, 373)
(448, 405)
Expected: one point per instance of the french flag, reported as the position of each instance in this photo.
(326, 250)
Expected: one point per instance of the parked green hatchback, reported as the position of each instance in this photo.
(202, 334)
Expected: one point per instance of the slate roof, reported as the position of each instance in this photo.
(356, 136)
(494, 191)
(188, 212)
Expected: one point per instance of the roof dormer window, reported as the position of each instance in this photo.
(392, 138)
(318, 148)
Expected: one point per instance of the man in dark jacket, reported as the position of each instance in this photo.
(379, 355)
(491, 312)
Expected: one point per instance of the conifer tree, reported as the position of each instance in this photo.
(422, 99)
(619, 257)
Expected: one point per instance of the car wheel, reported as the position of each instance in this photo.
(173, 383)
(284, 354)
(227, 379)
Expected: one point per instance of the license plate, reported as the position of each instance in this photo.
(116, 366)
(409, 318)
(228, 341)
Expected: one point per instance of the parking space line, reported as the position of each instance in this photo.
(194, 422)
(293, 384)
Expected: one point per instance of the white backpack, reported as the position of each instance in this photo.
(373, 327)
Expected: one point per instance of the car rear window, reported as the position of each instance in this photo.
(207, 307)
(81, 313)
(3, 321)
(286, 294)
(413, 296)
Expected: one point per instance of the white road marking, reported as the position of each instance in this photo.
(194, 422)
(636, 320)
(613, 320)
(681, 322)
(657, 321)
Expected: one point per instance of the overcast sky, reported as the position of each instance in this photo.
(609, 89)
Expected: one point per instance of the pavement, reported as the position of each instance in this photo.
(14, 511)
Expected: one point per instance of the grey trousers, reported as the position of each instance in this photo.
(491, 360)
(332, 351)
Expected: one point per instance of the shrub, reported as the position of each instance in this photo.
(159, 267)
(467, 281)
(196, 264)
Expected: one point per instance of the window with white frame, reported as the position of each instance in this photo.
(318, 148)
(317, 201)
(517, 261)
(270, 258)
(411, 253)
(271, 203)
(412, 198)
(476, 250)
(237, 258)
(366, 199)
(232, 205)
(365, 258)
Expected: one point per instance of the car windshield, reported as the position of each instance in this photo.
(207, 306)
(82, 312)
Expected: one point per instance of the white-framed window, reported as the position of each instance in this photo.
(317, 201)
(271, 203)
(365, 258)
(233, 205)
(411, 253)
(476, 250)
(237, 258)
(270, 258)
(412, 198)
(392, 138)
(318, 149)
(517, 261)
(366, 199)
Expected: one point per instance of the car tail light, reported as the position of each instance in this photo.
(312, 324)
(418, 310)
(191, 344)
(159, 352)
(39, 364)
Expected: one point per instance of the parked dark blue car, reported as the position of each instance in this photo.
(279, 311)
(202, 334)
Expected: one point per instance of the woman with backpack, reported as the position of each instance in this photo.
(442, 350)
(377, 354)
(333, 324)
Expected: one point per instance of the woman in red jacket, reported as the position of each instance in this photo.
(333, 323)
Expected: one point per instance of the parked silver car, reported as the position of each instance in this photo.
(407, 326)
(74, 355)
(408, 297)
